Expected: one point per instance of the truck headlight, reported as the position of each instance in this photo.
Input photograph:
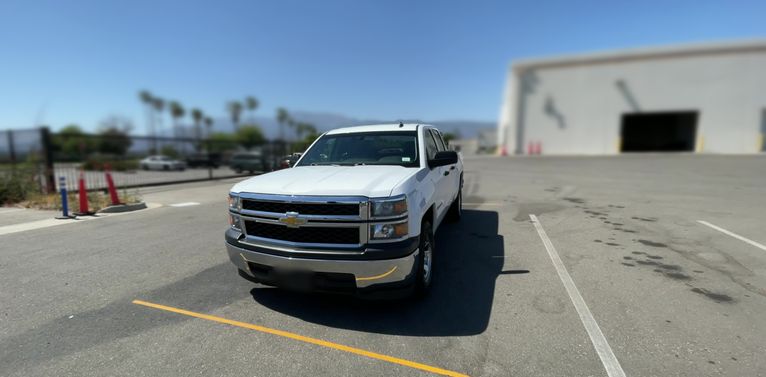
(234, 202)
(235, 222)
(388, 231)
(388, 207)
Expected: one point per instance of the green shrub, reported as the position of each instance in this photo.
(16, 184)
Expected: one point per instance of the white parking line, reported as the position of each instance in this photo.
(604, 351)
(11, 210)
(185, 204)
(45, 223)
(735, 235)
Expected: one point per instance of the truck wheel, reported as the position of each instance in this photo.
(424, 276)
(456, 209)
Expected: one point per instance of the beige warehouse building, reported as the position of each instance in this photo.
(700, 98)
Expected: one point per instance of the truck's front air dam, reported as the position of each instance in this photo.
(366, 273)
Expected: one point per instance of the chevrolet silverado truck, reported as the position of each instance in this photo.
(356, 214)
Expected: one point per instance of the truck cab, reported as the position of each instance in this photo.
(356, 214)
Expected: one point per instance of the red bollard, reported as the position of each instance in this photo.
(83, 192)
(539, 148)
(530, 148)
(110, 184)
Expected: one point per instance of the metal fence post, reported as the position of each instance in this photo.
(210, 160)
(47, 145)
(11, 148)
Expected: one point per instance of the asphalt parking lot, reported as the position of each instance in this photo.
(591, 266)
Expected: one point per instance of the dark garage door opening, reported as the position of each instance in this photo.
(659, 132)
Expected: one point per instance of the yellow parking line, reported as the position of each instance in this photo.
(305, 339)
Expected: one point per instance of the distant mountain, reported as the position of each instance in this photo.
(328, 121)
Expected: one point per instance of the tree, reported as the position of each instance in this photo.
(448, 136)
(235, 111)
(197, 116)
(146, 98)
(220, 142)
(73, 143)
(249, 136)
(158, 104)
(113, 136)
(208, 125)
(176, 112)
(283, 117)
(170, 151)
(251, 103)
(302, 128)
(303, 144)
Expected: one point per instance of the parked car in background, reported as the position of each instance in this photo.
(289, 160)
(160, 162)
(204, 160)
(251, 162)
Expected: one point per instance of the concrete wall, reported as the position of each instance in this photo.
(575, 107)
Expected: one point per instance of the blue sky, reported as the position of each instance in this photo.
(78, 62)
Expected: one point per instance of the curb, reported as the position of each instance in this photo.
(123, 208)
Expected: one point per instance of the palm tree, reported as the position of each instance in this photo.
(302, 128)
(283, 117)
(251, 103)
(159, 105)
(147, 100)
(235, 111)
(197, 116)
(209, 125)
(176, 112)
(208, 131)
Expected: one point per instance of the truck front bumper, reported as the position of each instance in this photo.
(333, 275)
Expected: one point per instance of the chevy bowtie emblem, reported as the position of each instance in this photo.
(292, 220)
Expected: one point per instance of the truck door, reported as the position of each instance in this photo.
(452, 180)
(437, 176)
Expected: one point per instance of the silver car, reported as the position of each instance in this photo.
(160, 162)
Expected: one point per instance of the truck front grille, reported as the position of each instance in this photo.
(326, 209)
(328, 235)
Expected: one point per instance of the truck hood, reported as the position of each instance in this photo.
(369, 180)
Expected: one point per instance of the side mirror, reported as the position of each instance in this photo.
(443, 158)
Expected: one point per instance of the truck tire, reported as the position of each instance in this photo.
(424, 277)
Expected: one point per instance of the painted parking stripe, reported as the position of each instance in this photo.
(604, 351)
(45, 223)
(11, 210)
(185, 204)
(304, 339)
(732, 234)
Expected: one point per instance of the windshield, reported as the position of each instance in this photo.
(369, 148)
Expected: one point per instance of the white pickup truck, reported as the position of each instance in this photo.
(357, 214)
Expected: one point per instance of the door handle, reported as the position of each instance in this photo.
(446, 172)
(452, 168)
